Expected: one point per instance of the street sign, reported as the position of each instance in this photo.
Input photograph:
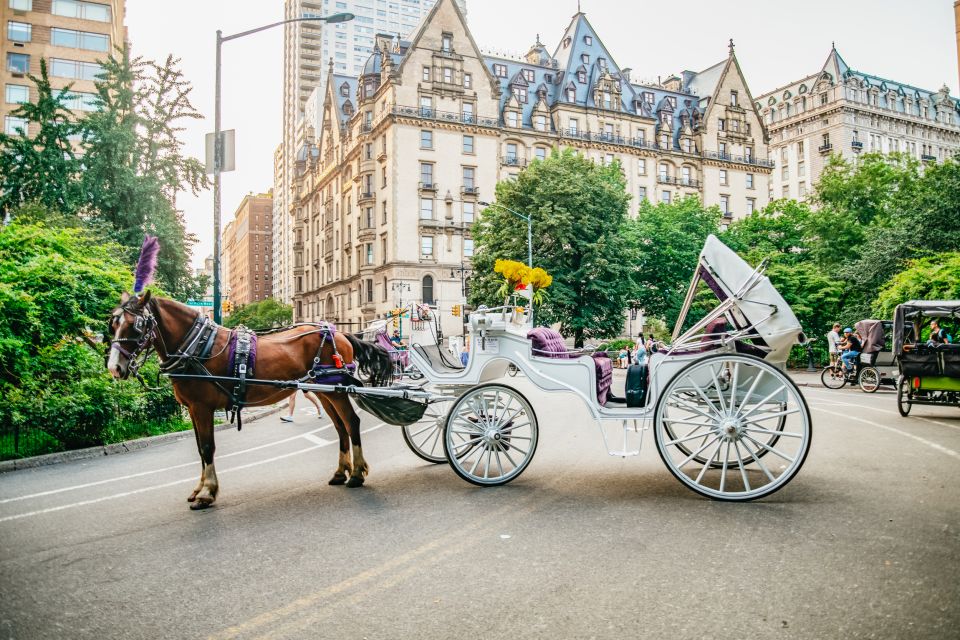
(227, 151)
(199, 303)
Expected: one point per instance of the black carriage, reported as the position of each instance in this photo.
(930, 369)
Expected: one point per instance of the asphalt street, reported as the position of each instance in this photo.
(863, 543)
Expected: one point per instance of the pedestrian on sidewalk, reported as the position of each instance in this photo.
(833, 340)
(311, 396)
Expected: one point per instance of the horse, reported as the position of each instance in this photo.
(163, 325)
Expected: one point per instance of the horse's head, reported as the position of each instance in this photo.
(132, 326)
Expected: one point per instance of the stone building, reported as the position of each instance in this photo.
(847, 112)
(72, 35)
(247, 242)
(385, 201)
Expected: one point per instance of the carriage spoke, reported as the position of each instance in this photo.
(499, 465)
(696, 453)
(690, 407)
(512, 428)
(473, 469)
(743, 472)
(685, 439)
(507, 453)
(703, 395)
(749, 394)
(785, 434)
(723, 472)
(716, 385)
(763, 402)
(424, 430)
(706, 466)
(767, 416)
(687, 422)
(486, 465)
(733, 387)
(770, 449)
(759, 462)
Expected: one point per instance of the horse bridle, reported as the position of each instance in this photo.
(145, 326)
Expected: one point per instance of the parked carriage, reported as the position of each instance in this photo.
(728, 422)
(930, 372)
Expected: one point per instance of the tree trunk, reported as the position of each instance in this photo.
(578, 338)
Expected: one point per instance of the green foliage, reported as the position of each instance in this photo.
(579, 210)
(265, 314)
(616, 345)
(933, 278)
(41, 168)
(57, 287)
(665, 241)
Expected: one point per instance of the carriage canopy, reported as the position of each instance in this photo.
(872, 333)
(906, 318)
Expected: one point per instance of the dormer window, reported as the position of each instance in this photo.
(603, 63)
(571, 94)
(528, 75)
(582, 76)
(500, 70)
(607, 102)
(547, 77)
(566, 42)
(733, 98)
(673, 101)
(447, 43)
(588, 40)
(648, 97)
(521, 94)
(585, 58)
(345, 89)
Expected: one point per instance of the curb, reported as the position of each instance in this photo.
(118, 447)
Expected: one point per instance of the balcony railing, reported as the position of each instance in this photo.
(759, 162)
(428, 186)
(926, 157)
(444, 116)
(470, 190)
(512, 161)
(690, 182)
(857, 145)
(826, 147)
(665, 179)
(366, 195)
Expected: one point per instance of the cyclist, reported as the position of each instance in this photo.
(852, 347)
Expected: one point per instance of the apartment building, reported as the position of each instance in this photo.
(385, 201)
(72, 35)
(247, 244)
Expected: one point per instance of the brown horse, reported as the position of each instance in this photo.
(162, 325)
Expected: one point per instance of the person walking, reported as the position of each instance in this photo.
(833, 343)
(311, 396)
(640, 352)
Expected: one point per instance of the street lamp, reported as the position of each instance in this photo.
(526, 218)
(218, 143)
(400, 287)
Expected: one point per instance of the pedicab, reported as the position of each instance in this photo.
(878, 364)
(930, 371)
(727, 420)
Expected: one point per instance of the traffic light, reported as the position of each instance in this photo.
(227, 306)
(396, 321)
(456, 310)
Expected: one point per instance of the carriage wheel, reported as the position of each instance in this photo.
(425, 436)
(833, 378)
(904, 396)
(746, 443)
(490, 435)
(869, 379)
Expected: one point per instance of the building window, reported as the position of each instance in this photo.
(540, 152)
(19, 31)
(541, 123)
(642, 167)
(521, 94)
(721, 124)
(664, 171)
(723, 177)
(17, 93)
(384, 212)
(801, 169)
(426, 139)
(426, 208)
(512, 119)
(642, 193)
(21, 5)
(468, 247)
(426, 107)
(468, 175)
(585, 58)
(571, 94)
(426, 246)
(582, 76)
(18, 63)
(79, 39)
(665, 197)
(84, 10)
(75, 69)
(468, 211)
(448, 75)
(426, 174)
(686, 145)
(588, 40)
(446, 42)
(785, 172)
(687, 176)
(528, 75)
(369, 253)
(369, 218)
(12, 125)
(803, 189)
(467, 81)
(468, 144)
(574, 126)
(500, 70)
(468, 112)
(749, 181)
(511, 153)
(723, 149)
(426, 74)
(725, 205)
(748, 153)
(751, 205)
(733, 98)
(786, 191)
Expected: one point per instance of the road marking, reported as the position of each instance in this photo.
(152, 471)
(933, 445)
(893, 413)
(124, 494)
(316, 440)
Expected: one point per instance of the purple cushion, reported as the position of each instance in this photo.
(548, 343)
(604, 369)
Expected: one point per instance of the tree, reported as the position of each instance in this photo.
(780, 231)
(265, 314)
(936, 277)
(578, 209)
(42, 168)
(665, 242)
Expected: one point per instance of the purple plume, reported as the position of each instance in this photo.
(147, 263)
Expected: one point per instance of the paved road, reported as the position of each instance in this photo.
(865, 542)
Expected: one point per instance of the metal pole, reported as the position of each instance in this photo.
(530, 241)
(217, 153)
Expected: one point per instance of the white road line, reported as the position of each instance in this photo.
(124, 494)
(893, 413)
(152, 471)
(933, 445)
(316, 439)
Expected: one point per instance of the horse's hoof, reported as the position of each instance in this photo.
(355, 481)
(201, 504)
(338, 479)
(192, 497)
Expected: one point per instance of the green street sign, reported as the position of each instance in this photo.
(199, 303)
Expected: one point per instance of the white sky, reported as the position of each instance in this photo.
(777, 42)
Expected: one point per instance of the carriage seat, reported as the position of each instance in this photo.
(547, 343)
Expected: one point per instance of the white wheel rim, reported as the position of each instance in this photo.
(426, 434)
(741, 444)
(491, 435)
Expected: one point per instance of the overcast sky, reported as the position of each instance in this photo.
(776, 41)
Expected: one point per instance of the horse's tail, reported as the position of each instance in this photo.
(373, 360)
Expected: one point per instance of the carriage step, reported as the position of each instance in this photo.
(629, 427)
(624, 454)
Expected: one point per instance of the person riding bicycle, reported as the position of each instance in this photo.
(397, 341)
(851, 349)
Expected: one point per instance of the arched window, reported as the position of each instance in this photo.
(427, 290)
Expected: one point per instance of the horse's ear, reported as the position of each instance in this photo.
(144, 298)
(124, 297)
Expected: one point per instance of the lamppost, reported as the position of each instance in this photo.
(400, 287)
(463, 271)
(526, 218)
(218, 143)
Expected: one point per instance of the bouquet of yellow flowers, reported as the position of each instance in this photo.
(514, 276)
(539, 279)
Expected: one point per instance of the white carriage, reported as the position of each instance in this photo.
(728, 421)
